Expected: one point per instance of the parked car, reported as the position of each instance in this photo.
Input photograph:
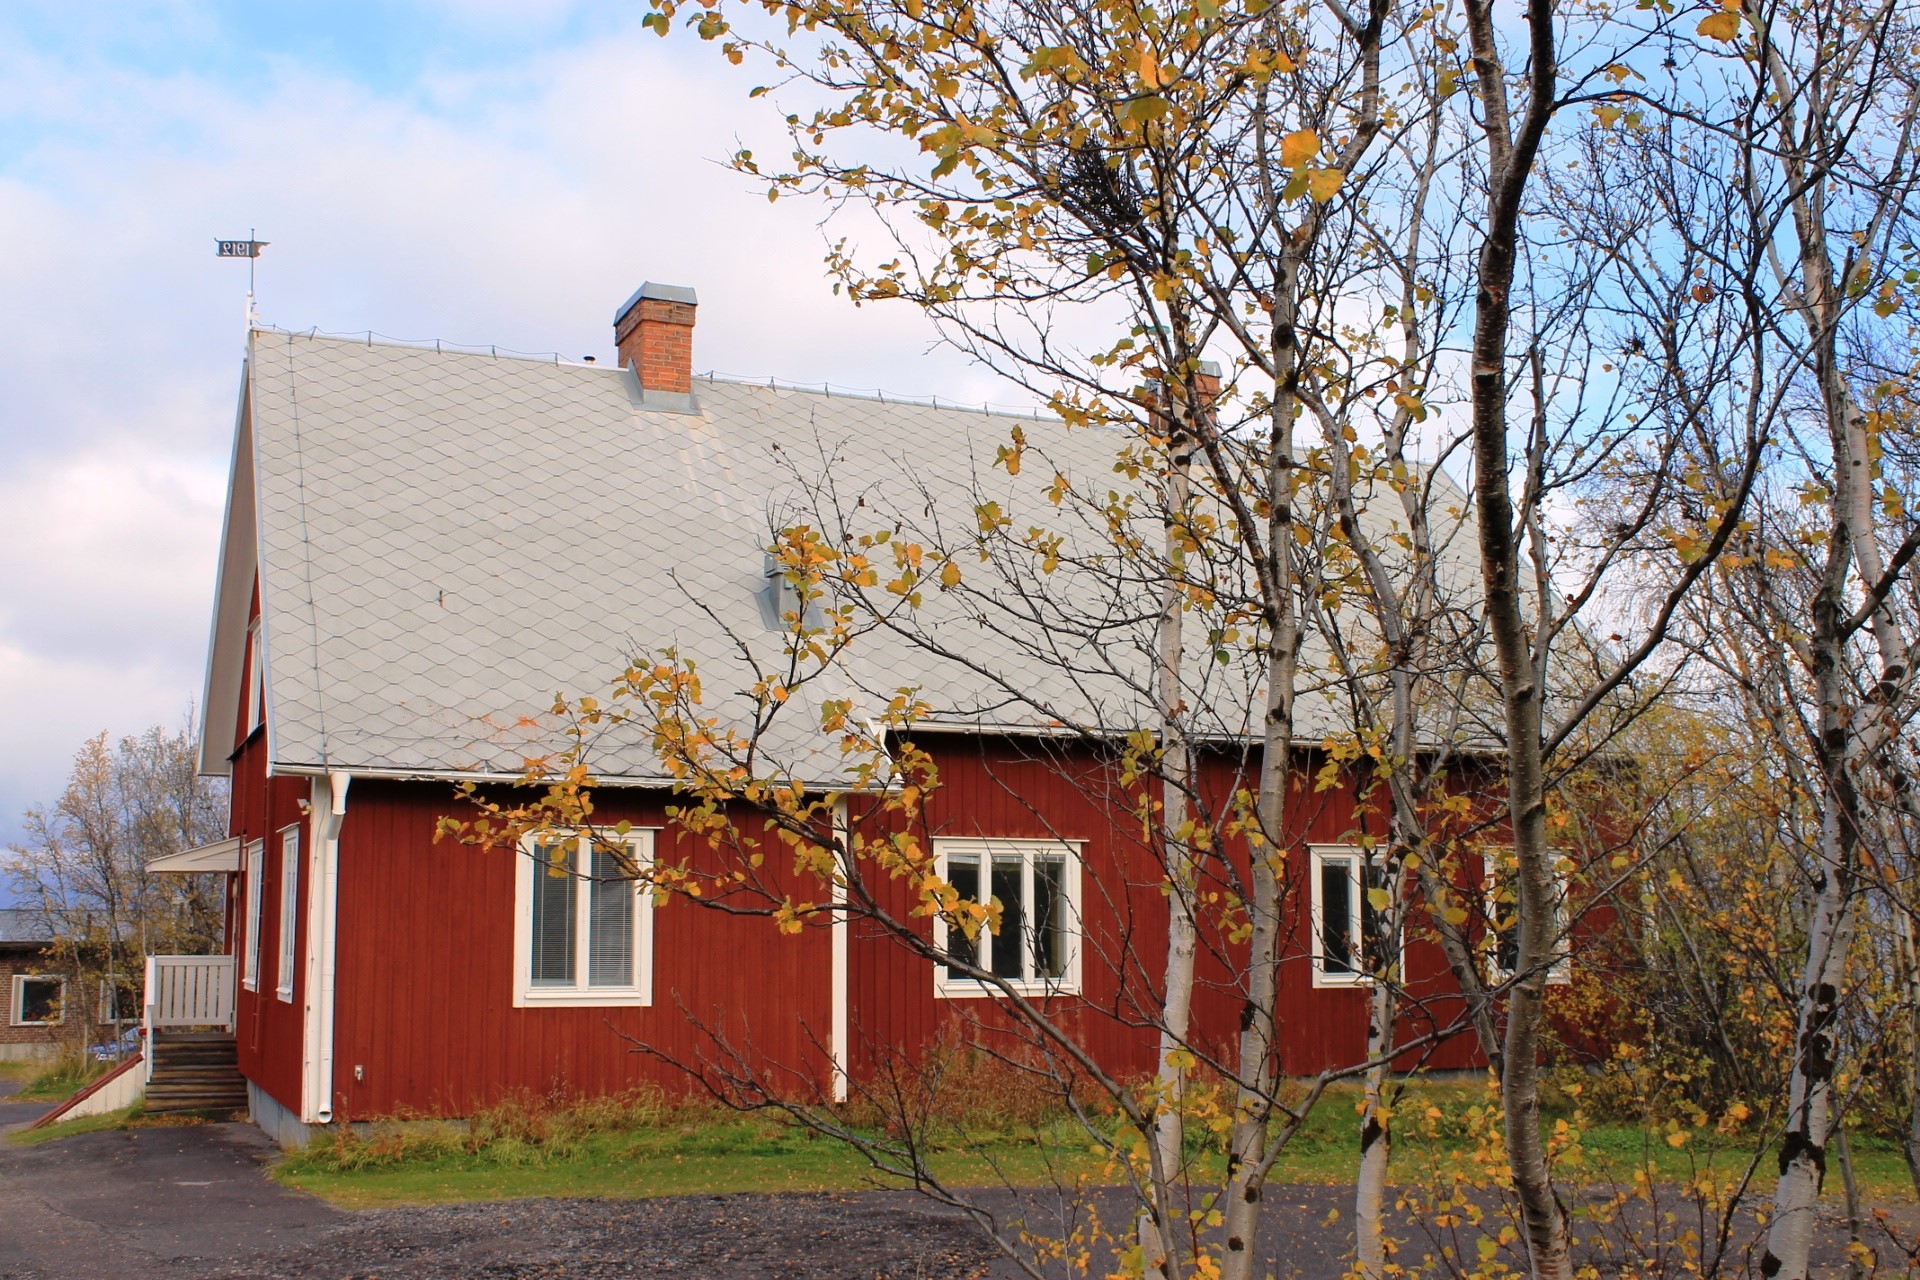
(122, 1046)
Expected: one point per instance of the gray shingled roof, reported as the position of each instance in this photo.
(447, 540)
(24, 926)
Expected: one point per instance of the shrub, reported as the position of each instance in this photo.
(520, 1129)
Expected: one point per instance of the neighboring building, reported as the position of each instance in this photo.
(34, 985)
(423, 546)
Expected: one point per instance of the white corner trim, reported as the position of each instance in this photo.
(838, 931)
(326, 809)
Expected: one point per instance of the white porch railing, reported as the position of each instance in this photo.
(187, 991)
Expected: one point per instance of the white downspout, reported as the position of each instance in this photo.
(329, 808)
(838, 932)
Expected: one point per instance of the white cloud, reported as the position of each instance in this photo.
(516, 209)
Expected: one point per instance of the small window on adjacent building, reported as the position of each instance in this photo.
(1345, 950)
(1036, 949)
(289, 908)
(583, 926)
(250, 961)
(38, 1000)
(1502, 899)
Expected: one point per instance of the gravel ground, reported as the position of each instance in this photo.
(172, 1203)
(878, 1236)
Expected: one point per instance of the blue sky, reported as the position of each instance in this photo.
(493, 172)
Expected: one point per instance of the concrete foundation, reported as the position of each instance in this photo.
(43, 1051)
(282, 1125)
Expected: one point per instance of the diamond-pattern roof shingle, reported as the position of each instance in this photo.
(448, 540)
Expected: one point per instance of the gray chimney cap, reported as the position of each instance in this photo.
(663, 292)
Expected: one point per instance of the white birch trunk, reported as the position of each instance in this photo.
(1160, 1236)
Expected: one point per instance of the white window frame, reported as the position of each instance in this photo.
(1319, 855)
(17, 1006)
(1560, 973)
(250, 960)
(956, 988)
(256, 679)
(639, 841)
(289, 910)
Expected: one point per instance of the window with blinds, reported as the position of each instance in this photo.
(584, 920)
(1034, 947)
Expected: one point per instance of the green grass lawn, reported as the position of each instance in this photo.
(125, 1118)
(51, 1081)
(712, 1153)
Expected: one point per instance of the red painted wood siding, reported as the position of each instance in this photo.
(267, 1030)
(997, 787)
(425, 1019)
(424, 1007)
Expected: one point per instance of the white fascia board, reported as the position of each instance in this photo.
(232, 594)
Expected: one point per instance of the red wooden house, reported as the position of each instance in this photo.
(423, 546)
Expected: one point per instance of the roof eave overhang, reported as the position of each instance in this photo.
(221, 855)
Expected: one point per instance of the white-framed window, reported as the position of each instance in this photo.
(1345, 878)
(289, 908)
(1037, 947)
(39, 1000)
(1503, 944)
(583, 926)
(250, 961)
(256, 678)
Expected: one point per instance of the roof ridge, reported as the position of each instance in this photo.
(440, 346)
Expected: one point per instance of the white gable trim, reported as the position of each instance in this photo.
(232, 597)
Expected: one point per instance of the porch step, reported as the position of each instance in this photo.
(195, 1071)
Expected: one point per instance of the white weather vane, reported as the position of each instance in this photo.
(249, 249)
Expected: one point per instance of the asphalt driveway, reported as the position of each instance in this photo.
(146, 1202)
(17, 1113)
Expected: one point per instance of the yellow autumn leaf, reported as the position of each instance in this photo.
(1677, 1140)
(950, 576)
(1299, 147)
(1149, 67)
(1724, 25)
(1322, 183)
(1378, 899)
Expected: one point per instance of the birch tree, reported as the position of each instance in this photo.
(83, 858)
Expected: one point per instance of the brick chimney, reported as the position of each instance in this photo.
(654, 333)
